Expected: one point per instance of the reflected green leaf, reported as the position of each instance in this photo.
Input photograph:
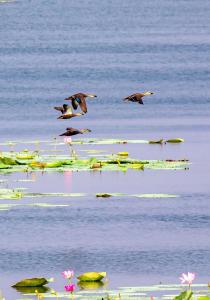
(32, 289)
(85, 285)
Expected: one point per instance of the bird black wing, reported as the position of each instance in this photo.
(74, 103)
(59, 108)
(140, 101)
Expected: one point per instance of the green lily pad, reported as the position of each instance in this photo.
(105, 195)
(9, 161)
(92, 276)
(176, 140)
(31, 282)
(123, 154)
(25, 156)
(108, 195)
(156, 142)
(186, 295)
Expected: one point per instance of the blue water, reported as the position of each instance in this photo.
(52, 49)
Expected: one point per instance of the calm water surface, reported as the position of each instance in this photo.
(51, 49)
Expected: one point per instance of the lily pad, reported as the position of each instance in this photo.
(105, 195)
(25, 156)
(186, 295)
(176, 140)
(125, 154)
(156, 141)
(10, 161)
(31, 282)
(92, 276)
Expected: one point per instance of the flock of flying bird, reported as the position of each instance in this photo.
(79, 99)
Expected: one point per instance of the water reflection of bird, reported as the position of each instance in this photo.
(67, 112)
(71, 131)
(80, 99)
(138, 97)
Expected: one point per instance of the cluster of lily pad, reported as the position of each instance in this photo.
(92, 287)
(26, 162)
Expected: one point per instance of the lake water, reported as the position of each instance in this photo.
(52, 49)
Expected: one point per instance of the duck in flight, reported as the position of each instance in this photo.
(138, 97)
(67, 112)
(72, 131)
(80, 99)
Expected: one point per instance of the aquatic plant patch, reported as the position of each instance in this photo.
(10, 194)
(9, 163)
(124, 293)
(16, 194)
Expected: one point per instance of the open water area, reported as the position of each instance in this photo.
(52, 49)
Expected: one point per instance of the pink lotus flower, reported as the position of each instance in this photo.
(187, 278)
(70, 288)
(68, 274)
(67, 140)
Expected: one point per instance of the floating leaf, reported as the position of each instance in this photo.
(123, 154)
(104, 195)
(156, 142)
(186, 295)
(92, 276)
(9, 161)
(176, 140)
(24, 156)
(32, 282)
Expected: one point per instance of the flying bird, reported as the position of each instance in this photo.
(72, 131)
(67, 112)
(80, 99)
(138, 97)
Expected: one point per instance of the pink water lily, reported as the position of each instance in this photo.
(70, 288)
(67, 140)
(68, 274)
(187, 278)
